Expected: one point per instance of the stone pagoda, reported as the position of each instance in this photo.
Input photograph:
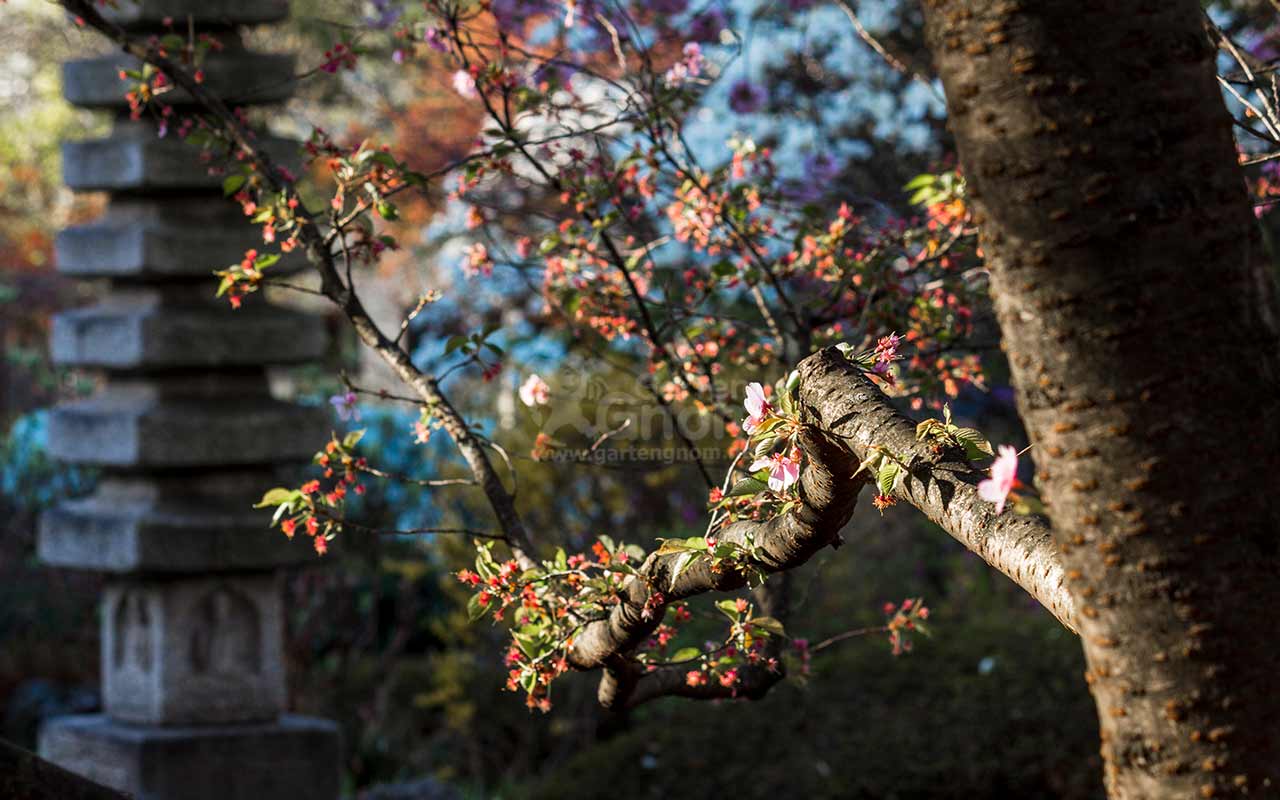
(186, 436)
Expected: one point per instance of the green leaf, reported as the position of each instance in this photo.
(793, 381)
(724, 269)
(919, 181)
(926, 428)
(975, 444)
(887, 476)
(747, 486)
(474, 610)
(686, 654)
(729, 607)
(764, 446)
(670, 546)
(921, 197)
(454, 343)
(683, 562)
(769, 624)
(232, 183)
(352, 439)
(275, 497)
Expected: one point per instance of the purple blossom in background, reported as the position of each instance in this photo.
(668, 6)
(821, 167)
(435, 40)
(510, 13)
(746, 97)
(385, 15)
(1262, 46)
(799, 5)
(706, 26)
(345, 406)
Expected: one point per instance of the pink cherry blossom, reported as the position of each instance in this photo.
(686, 68)
(783, 470)
(464, 84)
(535, 392)
(421, 432)
(758, 408)
(1004, 476)
(345, 406)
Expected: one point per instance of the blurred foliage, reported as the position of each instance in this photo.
(29, 479)
(48, 620)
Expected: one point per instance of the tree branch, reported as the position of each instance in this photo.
(847, 414)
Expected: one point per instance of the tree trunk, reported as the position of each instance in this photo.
(1140, 323)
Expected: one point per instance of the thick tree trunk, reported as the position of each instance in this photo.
(1141, 327)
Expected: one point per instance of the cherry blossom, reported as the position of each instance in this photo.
(758, 408)
(686, 68)
(464, 84)
(421, 432)
(783, 470)
(535, 391)
(345, 406)
(1004, 476)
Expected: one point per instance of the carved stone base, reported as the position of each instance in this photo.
(295, 758)
(193, 651)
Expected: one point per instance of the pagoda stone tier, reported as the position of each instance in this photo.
(185, 436)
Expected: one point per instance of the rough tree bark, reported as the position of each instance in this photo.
(1140, 321)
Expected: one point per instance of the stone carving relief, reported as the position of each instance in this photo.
(225, 634)
(132, 638)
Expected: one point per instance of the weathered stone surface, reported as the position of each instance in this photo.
(132, 429)
(239, 77)
(130, 160)
(194, 651)
(174, 525)
(140, 334)
(295, 758)
(187, 434)
(183, 237)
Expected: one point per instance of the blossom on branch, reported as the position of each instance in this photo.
(1004, 477)
(345, 406)
(758, 408)
(535, 391)
(783, 470)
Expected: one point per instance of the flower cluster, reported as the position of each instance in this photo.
(747, 646)
(311, 507)
(547, 605)
(905, 618)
